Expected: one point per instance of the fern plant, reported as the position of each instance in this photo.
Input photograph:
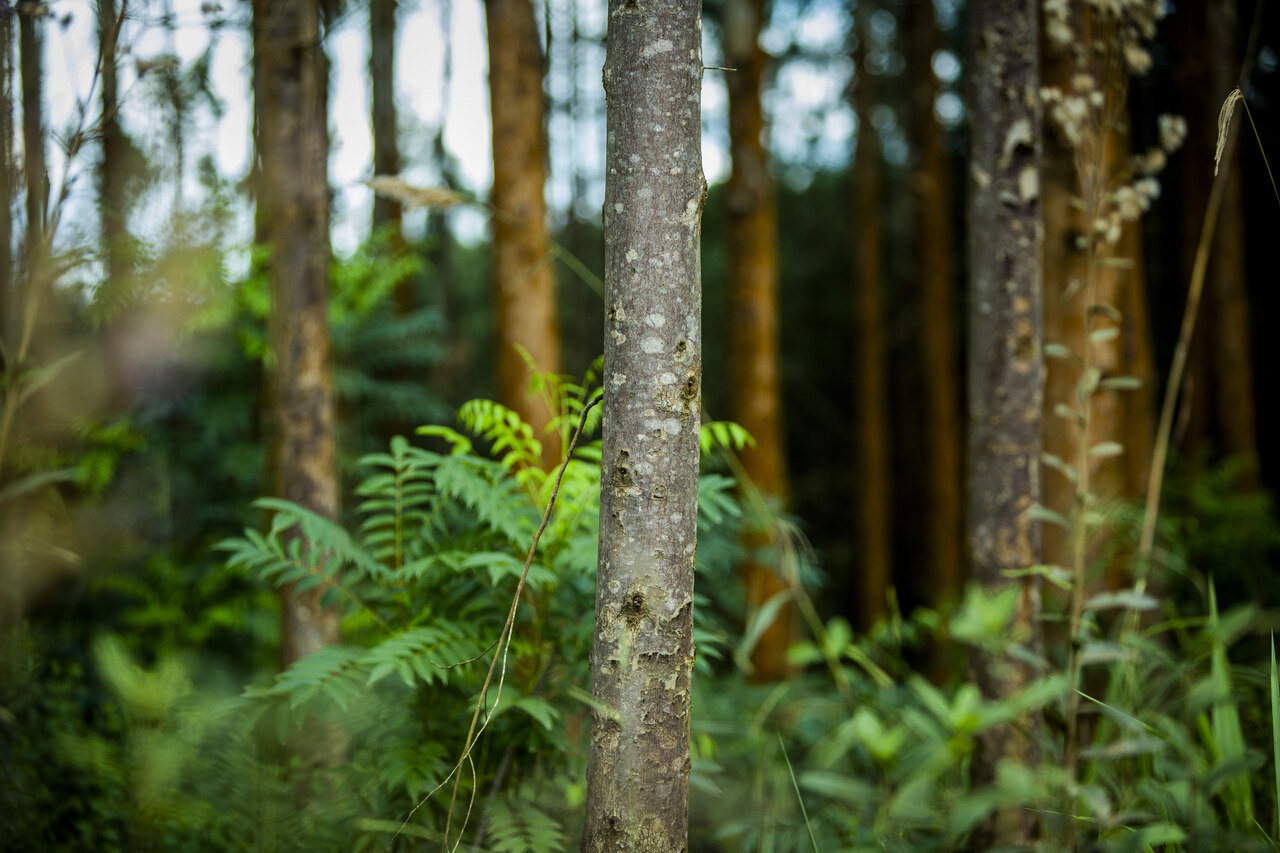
(423, 579)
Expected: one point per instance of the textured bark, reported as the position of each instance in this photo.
(294, 202)
(934, 250)
(874, 500)
(642, 656)
(1006, 368)
(1127, 417)
(756, 386)
(523, 275)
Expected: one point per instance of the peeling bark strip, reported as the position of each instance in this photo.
(294, 149)
(1006, 367)
(642, 659)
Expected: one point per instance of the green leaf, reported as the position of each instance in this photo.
(541, 710)
(1120, 383)
(1106, 449)
(1059, 351)
(32, 381)
(1056, 575)
(1127, 599)
(1036, 512)
(1102, 336)
(38, 480)
(757, 623)
(1275, 725)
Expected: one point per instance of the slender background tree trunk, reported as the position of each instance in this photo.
(523, 274)
(755, 383)
(642, 656)
(294, 148)
(874, 500)
(8, 179)
(31, 49)
(1006, 365)
(934, 287)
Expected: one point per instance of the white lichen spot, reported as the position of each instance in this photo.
(618, 378)
(692, 208)
(632, 255)
(651, 345)
(671, 426)
(656, 321)
(617, 207)
(645, 192)
(1029, 184)
(654, 48)
(667, 379)
(634, 158)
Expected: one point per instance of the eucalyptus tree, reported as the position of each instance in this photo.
(642, 655)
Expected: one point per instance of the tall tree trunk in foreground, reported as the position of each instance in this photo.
(1006, 367)
(756, 386)
(294, 148)
(873, 502)
(642, 656)
(934, 288)
(523, 275)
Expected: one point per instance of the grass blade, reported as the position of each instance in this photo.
(1275, 726)
(795, 785)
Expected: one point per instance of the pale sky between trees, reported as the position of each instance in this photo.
(810, 118)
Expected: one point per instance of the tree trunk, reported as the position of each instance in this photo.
(1006, 367)
(934, 242)
(8, 181)
(31, 48)
(1126, 417)
(294, 147)
(382, 82)
(111, 174)
(642, 656)
(755, 384)
(523, 274)
(1232, 353)
(873, 503)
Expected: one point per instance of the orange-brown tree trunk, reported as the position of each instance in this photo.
(756, 386)
(873, 502)
(523, 275)
(1126, 417)
(934, 289)
(294, 149)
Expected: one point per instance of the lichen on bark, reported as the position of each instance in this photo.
(642, 656)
